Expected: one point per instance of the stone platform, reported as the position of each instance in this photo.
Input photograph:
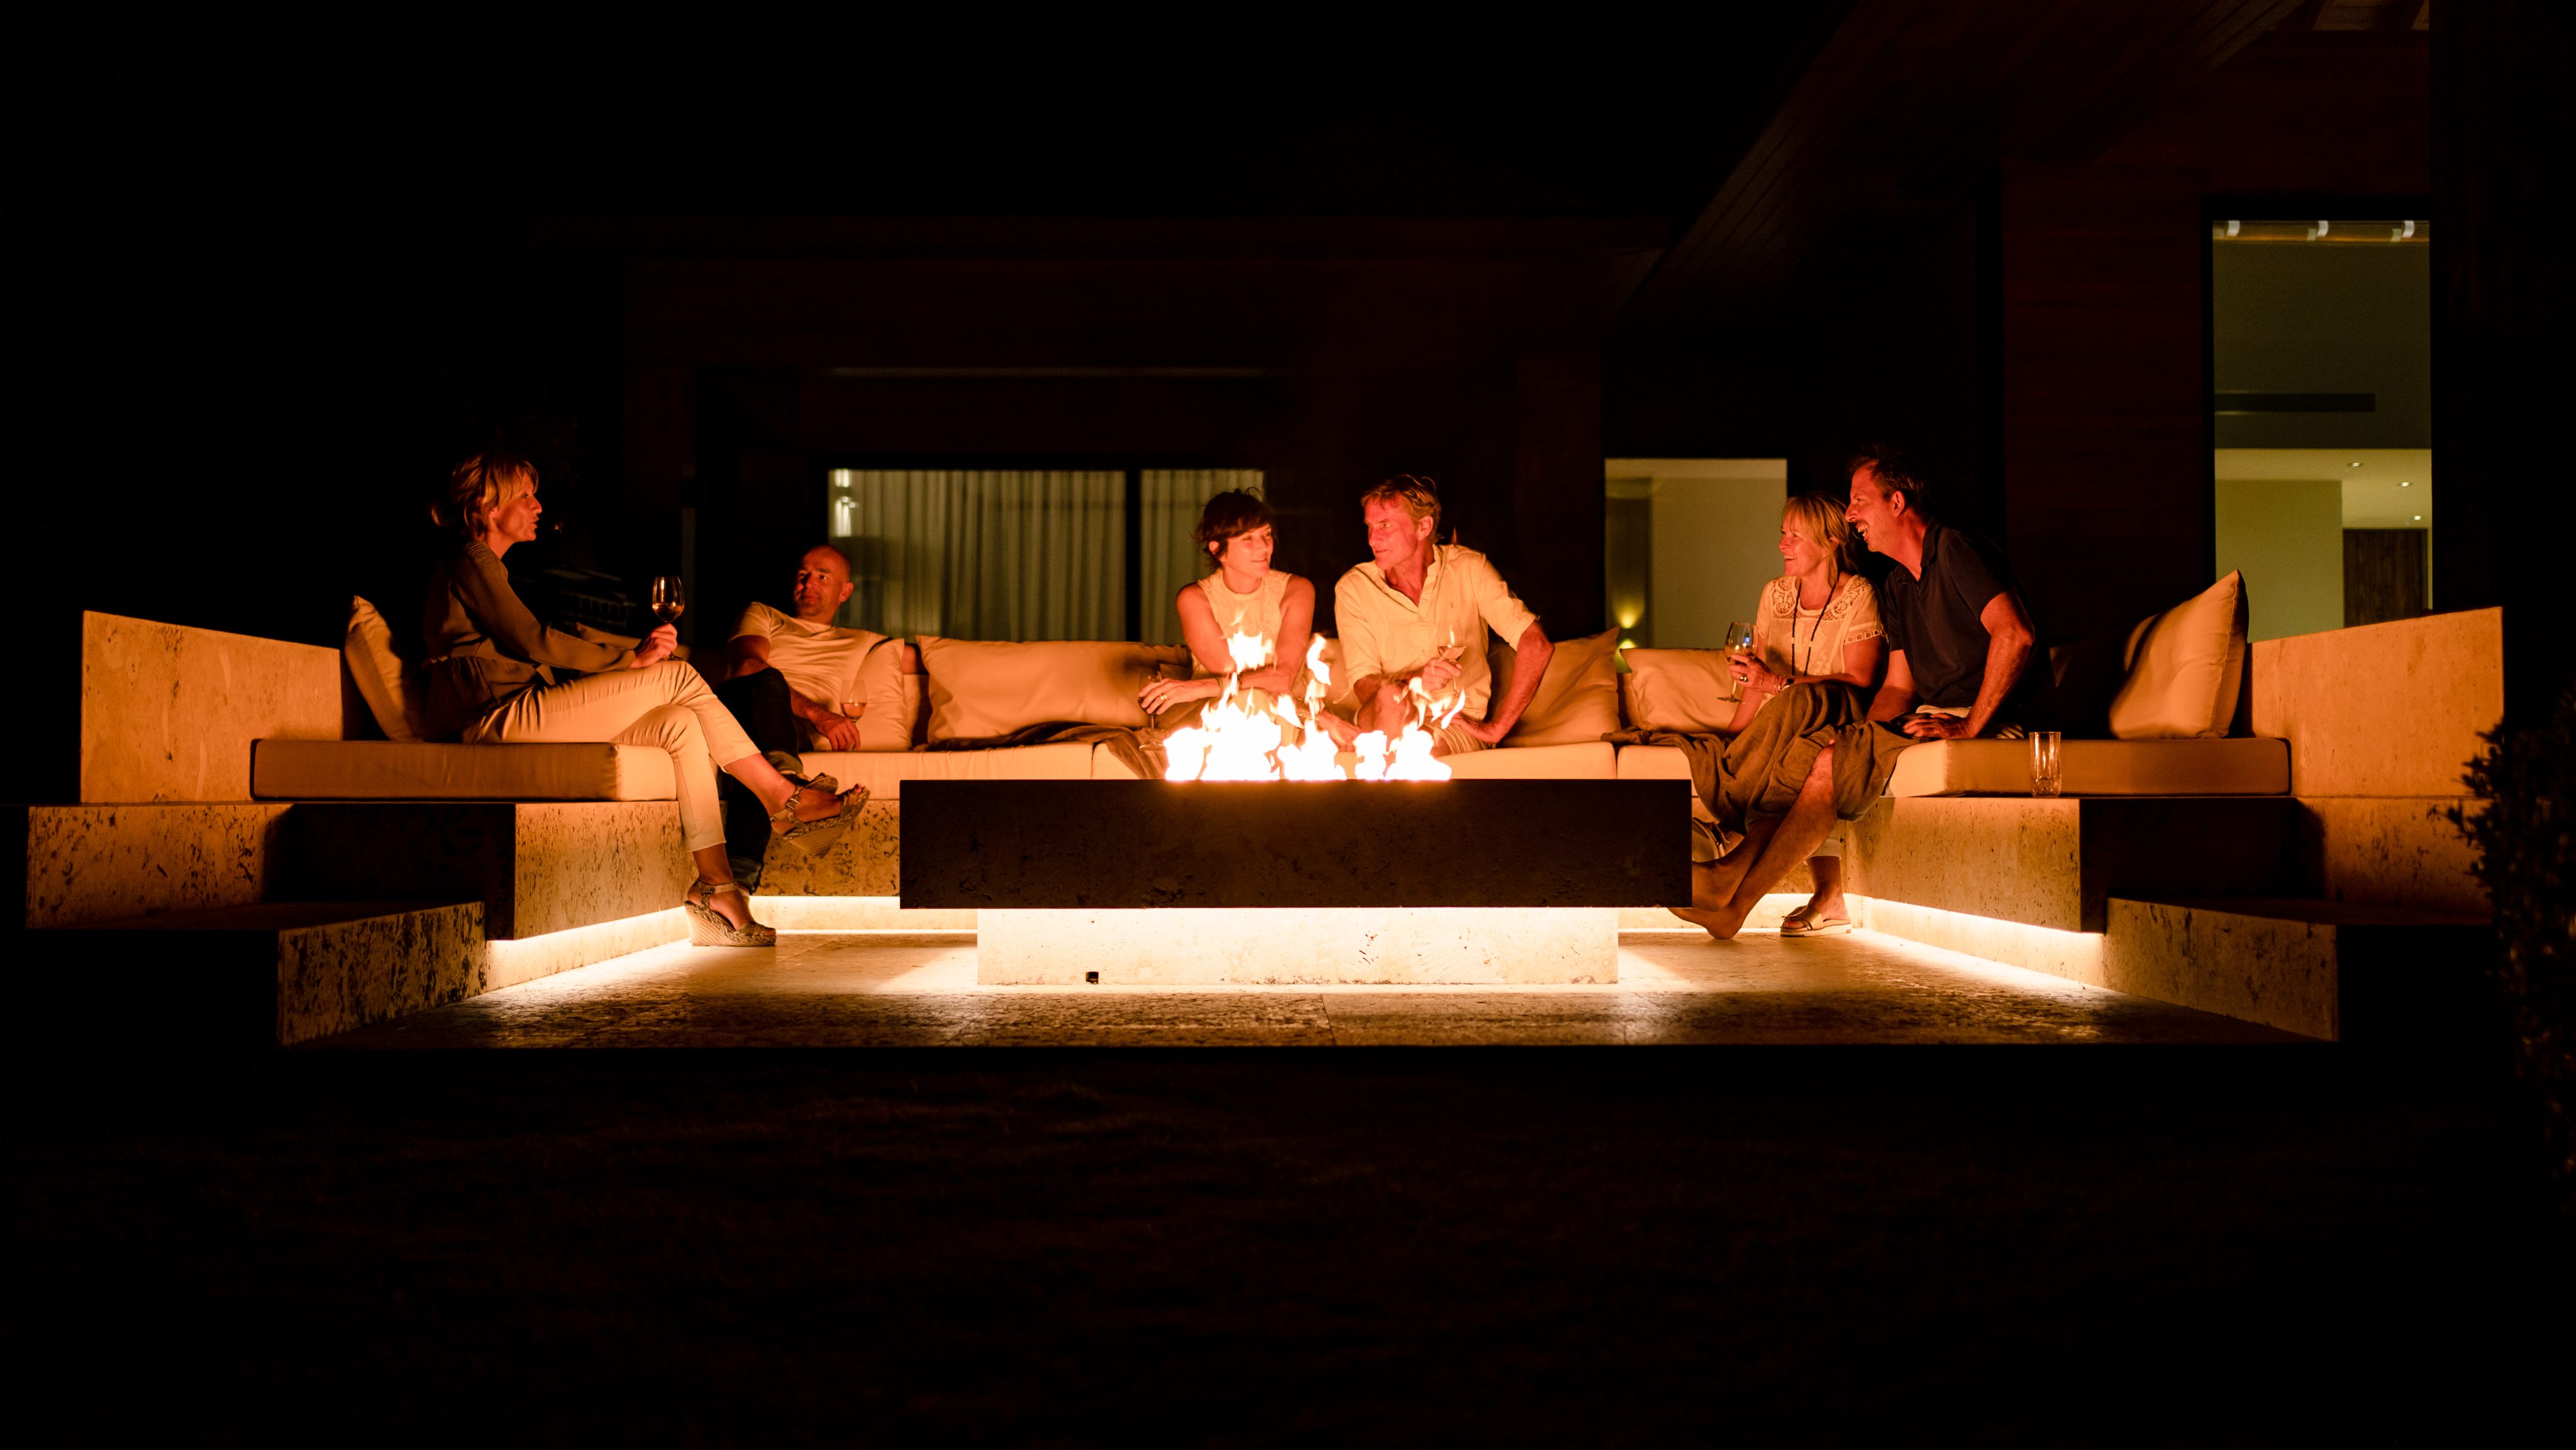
(1150, 883)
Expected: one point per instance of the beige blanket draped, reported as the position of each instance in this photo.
(1756, 775)
(1139, 750)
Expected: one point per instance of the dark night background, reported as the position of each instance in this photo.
(277, 278)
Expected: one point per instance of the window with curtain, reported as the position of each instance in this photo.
(1020, 555)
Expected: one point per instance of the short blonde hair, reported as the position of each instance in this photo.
(479, 485)
(1821, 519)
(1419, 495)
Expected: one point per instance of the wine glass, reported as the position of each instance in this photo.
(668, 598)
(1739, 641)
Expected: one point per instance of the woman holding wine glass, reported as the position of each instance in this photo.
(1816, 632)
(491, 680)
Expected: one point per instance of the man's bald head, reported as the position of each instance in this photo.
(822, 583)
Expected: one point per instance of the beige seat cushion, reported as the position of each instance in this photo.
(1583, 760)
(1653, 762)
(323, 770)
(2185, 667)
(2243, 766)
(979, 690)
(1576, 704)
(884, 772)
(1678, 689)
(383, 680)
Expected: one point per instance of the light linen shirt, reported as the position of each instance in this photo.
(1384, 633)
(818, 661)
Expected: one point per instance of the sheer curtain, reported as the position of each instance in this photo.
(1172, 500)
(984, 554)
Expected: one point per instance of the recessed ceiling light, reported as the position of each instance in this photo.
(2419, 518)
(2405, 483)
(2356, 463)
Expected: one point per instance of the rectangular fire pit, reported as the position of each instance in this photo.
(1153, 883)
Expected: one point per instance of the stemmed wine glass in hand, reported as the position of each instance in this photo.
(1739, 651)
(669, 600)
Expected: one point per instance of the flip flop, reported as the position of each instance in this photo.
(1805, 922)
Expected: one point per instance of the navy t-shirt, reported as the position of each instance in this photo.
(1938, 622)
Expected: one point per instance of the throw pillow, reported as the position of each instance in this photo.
(383, 680)
(893, 697)
(2185, 667)
(1689, 690)
(1578, 699)
(982, 689)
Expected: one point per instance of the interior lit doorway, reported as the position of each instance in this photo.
(2322, 341)
(1689, 544)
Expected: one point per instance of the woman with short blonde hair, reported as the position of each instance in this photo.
(1815, 630)
(491, 680)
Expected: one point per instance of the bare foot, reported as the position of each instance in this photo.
(1717, 921)
(816, 805)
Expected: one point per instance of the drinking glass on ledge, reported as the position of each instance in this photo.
(2044, 779)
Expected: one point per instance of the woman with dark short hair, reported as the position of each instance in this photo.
(491, 680)
(1242, 595)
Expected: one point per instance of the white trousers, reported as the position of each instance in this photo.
(665, 704)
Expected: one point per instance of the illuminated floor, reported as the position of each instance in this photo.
(891, 989)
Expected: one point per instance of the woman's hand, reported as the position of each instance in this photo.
(1752, 676)
(1161, 694)
(657, 646)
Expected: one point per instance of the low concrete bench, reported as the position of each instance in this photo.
(2241, 766)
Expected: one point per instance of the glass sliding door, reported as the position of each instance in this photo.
(2321, 339)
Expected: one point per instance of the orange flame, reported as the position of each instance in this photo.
(1249, 737)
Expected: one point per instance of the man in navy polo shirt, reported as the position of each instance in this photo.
(1962, 662)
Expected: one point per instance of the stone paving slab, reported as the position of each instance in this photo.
(918, 989)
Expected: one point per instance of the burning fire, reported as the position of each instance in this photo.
(1245, 737)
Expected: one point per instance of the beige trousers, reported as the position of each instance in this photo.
(666, 705)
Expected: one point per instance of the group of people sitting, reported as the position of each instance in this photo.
(1840, 677)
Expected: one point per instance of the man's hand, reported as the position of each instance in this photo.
(1936, 727)
(1489, 731)
(657, 646)
(838, 731)
(1442, 671)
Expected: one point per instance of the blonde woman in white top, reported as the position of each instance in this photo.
(1817, 623)
(1243, 595)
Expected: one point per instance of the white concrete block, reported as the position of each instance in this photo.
(1188, 946)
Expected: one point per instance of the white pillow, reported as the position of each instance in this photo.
(892, 693)
(382, 679)
(2185, 668)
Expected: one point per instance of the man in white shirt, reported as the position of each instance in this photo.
(1419, 611)
(792, 680)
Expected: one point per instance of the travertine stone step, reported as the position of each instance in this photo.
(2057, 863)
(538, 867)
(863, 862)
(273, 972)
(2338, 970)
(99, 862)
